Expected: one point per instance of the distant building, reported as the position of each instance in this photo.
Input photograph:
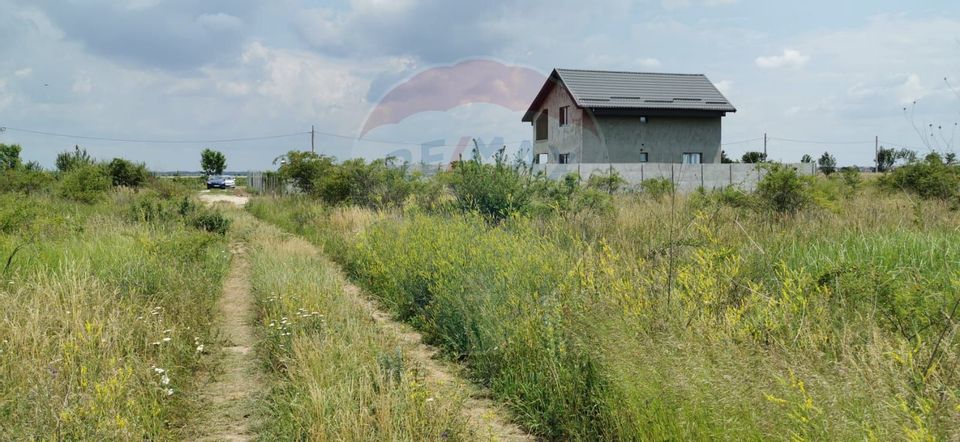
(583, 116)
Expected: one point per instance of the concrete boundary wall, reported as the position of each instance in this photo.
(687, 177)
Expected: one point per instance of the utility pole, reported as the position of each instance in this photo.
(764, 146)
(313, 135)
(876, 152)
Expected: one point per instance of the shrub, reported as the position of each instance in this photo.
(67, 161)
(9, 156)
(852, 181)
(87, 183)
(213, 222)
(126, 173)
(304, 169)
(24, 180)
(784, 190)
(379, 184)
(657, 188)
(609, 182)
(754, 157)
(496, 191)
(930, 179)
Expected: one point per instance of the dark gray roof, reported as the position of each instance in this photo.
(636, 90)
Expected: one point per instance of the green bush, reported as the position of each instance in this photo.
(929, 179)
(784, 190)
(127, 173)
(67, 161)
(87, 183)
(10, 156)
(213, 222)
(657, 188)
(24, 180)
(609, 182)
(496, 191)
(852, 181)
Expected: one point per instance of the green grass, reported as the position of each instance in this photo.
(695, 322)
(92, 307)
(332, 374)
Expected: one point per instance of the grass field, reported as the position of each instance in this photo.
(101, 313)
(686, 320)
(333, 374)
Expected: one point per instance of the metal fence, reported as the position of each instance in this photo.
(266, 183)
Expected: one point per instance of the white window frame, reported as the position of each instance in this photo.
(562, 157)
(690, 155)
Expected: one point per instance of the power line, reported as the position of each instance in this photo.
(149, 141)
(312, 132)
(741, 141)
(792, 140)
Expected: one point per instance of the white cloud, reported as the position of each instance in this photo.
(648, 63)
(82, 85)
(220, 21)
(725, 87)
(683, 4)
(23, 73)
(790, 58)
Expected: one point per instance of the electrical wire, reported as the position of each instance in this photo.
(792, 140)
(228, 140)
(741, 141)
(149, 141)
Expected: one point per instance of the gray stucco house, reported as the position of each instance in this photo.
(583, 116)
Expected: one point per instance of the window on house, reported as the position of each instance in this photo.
(643, 157)
(692, 158)
(542, 121)
(540, 158)
(564, 116)
(564, 158)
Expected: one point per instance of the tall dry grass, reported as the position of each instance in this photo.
(333, 374)
(100, 318)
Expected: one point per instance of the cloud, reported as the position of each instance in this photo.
(220, 22)
(790, 59)
(440, 31)
(648, 63)
(683, 4)
(724, 86)
(177, 34)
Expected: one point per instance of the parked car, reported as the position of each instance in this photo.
(221, 182)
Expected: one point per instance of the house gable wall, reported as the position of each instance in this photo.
(560, 140)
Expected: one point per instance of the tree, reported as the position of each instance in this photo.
(827, 163)
(126, 173)
(783, 190)
(67, 161)
(724, 159)
(304, 169)
(886, 157)
(806, 159)
(212, 162)
(10, 156)
(754, 157)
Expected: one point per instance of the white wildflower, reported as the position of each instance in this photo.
(164, 380)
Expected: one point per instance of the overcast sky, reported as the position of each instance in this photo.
(187, 70)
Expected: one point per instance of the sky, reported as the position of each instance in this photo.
(250, 78)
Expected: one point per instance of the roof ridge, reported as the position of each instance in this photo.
(631, 72)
